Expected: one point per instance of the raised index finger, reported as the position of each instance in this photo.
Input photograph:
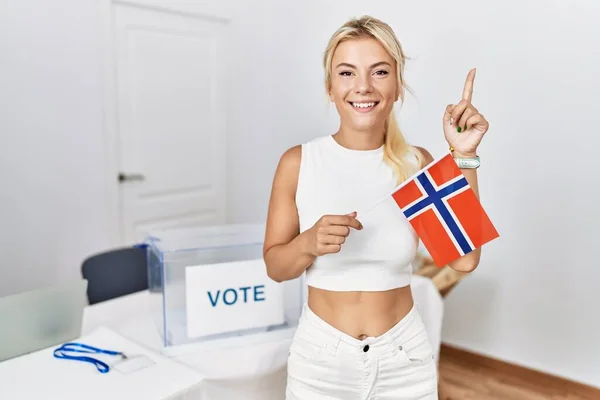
(468, 90)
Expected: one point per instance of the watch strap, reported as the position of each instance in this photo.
(468, 163)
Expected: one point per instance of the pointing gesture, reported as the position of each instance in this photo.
(463, 125)
(468, 90)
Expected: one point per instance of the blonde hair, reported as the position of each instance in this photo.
(395, 145)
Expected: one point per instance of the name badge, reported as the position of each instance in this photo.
(232, 296)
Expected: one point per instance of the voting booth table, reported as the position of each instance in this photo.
(211, 326)
(144, 374)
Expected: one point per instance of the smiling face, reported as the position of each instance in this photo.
(364, 86)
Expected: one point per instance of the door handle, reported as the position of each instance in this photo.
(130, 177)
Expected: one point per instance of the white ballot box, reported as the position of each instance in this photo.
(209, 283)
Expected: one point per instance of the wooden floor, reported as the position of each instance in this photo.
(467, 376)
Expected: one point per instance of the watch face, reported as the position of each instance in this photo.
(474, 163)
(468, 163)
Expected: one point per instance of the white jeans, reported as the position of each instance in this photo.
(325, 363)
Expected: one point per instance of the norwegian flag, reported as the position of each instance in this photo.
(444, 211)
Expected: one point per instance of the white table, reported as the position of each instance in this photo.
(248, 372)
(144, 375)
(230, 372)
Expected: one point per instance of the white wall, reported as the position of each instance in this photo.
(532, 299)
(55, 203)
(52, 201)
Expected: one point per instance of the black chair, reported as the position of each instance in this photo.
(115, 273)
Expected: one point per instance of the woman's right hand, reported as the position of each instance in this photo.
(329, 233)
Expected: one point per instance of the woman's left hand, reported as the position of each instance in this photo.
(464, 126)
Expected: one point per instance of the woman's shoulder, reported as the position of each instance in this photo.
(288, 168)
(423, 155)
(293, 155)
(289, 161)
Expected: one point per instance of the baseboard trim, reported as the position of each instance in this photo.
(522, 373)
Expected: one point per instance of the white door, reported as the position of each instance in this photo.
(170, 94)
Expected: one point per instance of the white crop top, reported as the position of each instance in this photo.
(336, 180)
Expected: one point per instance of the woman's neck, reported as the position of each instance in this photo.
(359, 140)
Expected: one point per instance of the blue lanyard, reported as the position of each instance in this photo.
(84, 348)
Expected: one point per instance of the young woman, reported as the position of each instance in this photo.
(360, 335)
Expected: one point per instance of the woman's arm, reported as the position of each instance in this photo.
(464, 127)
(285, 250)
(288, 253)
(470, 261)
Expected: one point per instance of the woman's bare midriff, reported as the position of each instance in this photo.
(361, 314)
